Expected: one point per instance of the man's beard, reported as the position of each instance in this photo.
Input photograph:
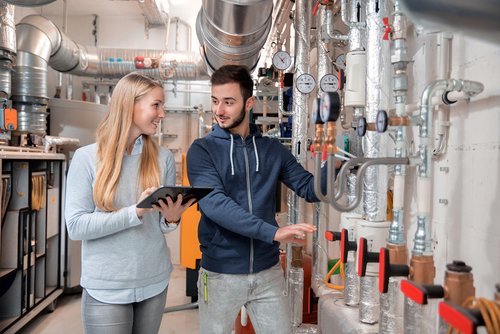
(237, 121)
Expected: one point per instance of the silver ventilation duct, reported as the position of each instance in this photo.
(233, 32)
(40, 43)
(479, 18)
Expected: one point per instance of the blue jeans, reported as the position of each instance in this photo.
(221, 296)
(141, 318)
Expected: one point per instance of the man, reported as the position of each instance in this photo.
(238, 234)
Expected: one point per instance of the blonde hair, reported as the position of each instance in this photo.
(111, 138)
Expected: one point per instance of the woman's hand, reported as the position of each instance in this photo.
(142, 211)
(171, 210)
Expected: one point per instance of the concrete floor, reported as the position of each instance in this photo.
(66, 317)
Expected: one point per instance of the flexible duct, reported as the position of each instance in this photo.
(40, 43)
(233, 32)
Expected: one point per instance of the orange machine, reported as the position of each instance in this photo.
(190, 247)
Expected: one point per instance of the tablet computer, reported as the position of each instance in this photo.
(186, 192)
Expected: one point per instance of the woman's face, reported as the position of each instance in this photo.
(148, 112)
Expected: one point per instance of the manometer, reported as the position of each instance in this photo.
(282, 60)
(305, 83)
(329, 83)
(316, 112)
(330, 106)
(340, 61)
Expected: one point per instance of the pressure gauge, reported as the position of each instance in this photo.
(282, 60)
(316, 112)
(305, 83)
(330, 106)
(329, 83)
(340, 61)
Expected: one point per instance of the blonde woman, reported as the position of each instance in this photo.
(125, 260)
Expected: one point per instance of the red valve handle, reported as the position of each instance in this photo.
(386, 270)
(364, 256)
(346, 245)
(387, 28)
(465, 320)
(332, 236)
(420, 293)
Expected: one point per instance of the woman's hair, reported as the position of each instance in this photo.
(234, 73)
(112, 135)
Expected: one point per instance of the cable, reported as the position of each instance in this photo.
(490, 311)
(342, 275)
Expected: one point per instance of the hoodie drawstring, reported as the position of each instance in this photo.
(256, 155)
(231, 155)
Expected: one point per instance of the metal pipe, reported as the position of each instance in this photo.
(422, 241)
(234, 41)
(302, 25)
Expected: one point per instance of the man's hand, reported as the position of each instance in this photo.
(295, 233)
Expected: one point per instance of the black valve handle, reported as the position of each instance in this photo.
(346, 245)
(364, 256)
(465, 320)
(333, 236)
(386, 270)
(420, 293)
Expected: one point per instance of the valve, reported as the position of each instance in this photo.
(420, 293)
(465, 320)
(364, 256)
(387, 28)
(382, 121)
(346, 245)
(8, 117)
(387, 270)
(362, 127)
(333, 236)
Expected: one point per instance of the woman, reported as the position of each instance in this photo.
(125, 260)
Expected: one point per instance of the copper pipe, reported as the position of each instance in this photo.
(296, 256)
(459, 283)
(330, 138)
(398, 254)
(318, 139)
(399, 121)
(422, 270)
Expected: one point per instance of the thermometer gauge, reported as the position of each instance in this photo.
(329, 83)
(305, 83)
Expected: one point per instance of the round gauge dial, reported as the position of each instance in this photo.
(316, 111)
(282, 60)
(340, 61)
(305, 83)
(330, 106)
(329, 83)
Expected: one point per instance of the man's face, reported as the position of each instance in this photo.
(229, 108)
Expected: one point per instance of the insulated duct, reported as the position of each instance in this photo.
(40, 43)
(7, 47)
(233, 32)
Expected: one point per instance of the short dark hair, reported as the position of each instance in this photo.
(234, 73)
